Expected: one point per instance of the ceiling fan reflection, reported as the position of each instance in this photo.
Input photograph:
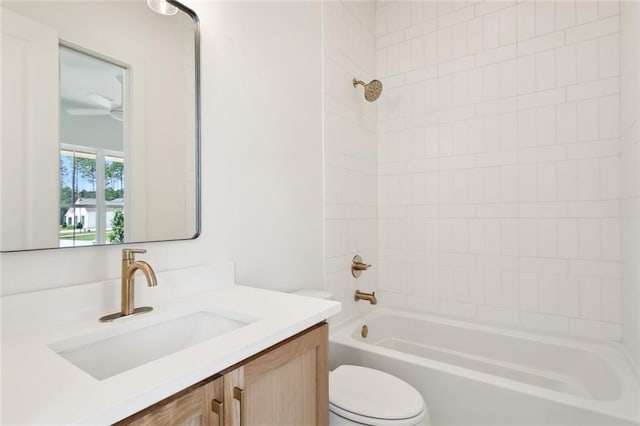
(104, 106)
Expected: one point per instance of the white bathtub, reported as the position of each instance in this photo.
(481, 375)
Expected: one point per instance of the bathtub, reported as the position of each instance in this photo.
(473, 374)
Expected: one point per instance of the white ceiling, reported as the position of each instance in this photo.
(83, 76)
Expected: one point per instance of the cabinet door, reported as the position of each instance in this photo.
(287, 385)
(191, 407)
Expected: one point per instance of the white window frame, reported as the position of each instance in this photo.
(101, 210)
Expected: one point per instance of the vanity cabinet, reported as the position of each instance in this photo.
(191, 407)
(286, 384)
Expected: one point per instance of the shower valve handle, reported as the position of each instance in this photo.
(357, 266)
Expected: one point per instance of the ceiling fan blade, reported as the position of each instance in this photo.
(88, 111)
(117, 114)
(100, 100)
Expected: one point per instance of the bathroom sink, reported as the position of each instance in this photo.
(108, 356)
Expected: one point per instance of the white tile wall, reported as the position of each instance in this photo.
(498, 161)
(629, 183)
(350, 143)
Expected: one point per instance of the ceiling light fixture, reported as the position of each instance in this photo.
(163, 7)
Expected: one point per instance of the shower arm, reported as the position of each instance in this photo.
(356, 82)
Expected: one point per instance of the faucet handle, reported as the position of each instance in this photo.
(357, 266)
(130, 254)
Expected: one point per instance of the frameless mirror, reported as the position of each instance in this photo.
(100, 123)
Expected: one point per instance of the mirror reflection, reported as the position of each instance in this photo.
(100, 143)
(92, 163)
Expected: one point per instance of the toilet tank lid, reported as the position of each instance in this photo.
(373, 393)
(318, 294)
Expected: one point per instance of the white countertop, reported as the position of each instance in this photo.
(41, 387)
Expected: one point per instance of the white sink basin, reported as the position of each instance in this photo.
(105, 357)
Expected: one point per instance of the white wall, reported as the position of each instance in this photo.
(29, 203)
(266, 182)
(261, 159)
(630, 178)
(350, 149)
(499, 172)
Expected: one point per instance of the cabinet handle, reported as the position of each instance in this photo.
(218, 408)
(239, 395)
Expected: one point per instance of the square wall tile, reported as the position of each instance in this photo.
(609, 56)
(548, 237)
(526, 74)
(586, 11)
(567, 180)
(526, 20)
(588, 120)
(491, 82)
(565, 64)
(587, 61)
(566, 122)
(610, 178)
(474, 36)
(528, 292)
(590, 298)
(589, 238)
(548, 294)
(608, 8)
(528, 182)
(567, 238)
(445, 44)
(547, 182)
(509, 184)
(491, 31)
(569, 296)
(565, 14)
(588, 179)
(527, 125)
(545, 16)
(459, 40)
(508, 21)
(528, 237)
(611, 300)
(609, 121)
(508, 78)
(610, 239)
(546, 125)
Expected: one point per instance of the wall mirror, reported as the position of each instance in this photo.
(100, 123)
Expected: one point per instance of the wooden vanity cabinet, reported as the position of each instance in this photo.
(190, 407)
(287, 384)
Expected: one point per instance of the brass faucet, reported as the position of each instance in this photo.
(361, 295)
(129, 267)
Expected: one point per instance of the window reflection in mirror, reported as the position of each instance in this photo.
(81, 212)
(92, 172)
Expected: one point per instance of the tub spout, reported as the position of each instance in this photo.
(361, 295)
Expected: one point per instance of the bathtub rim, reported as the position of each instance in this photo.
(623, 408)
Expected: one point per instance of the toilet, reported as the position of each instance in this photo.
(366, 396)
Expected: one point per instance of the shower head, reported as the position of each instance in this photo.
(372, 90)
